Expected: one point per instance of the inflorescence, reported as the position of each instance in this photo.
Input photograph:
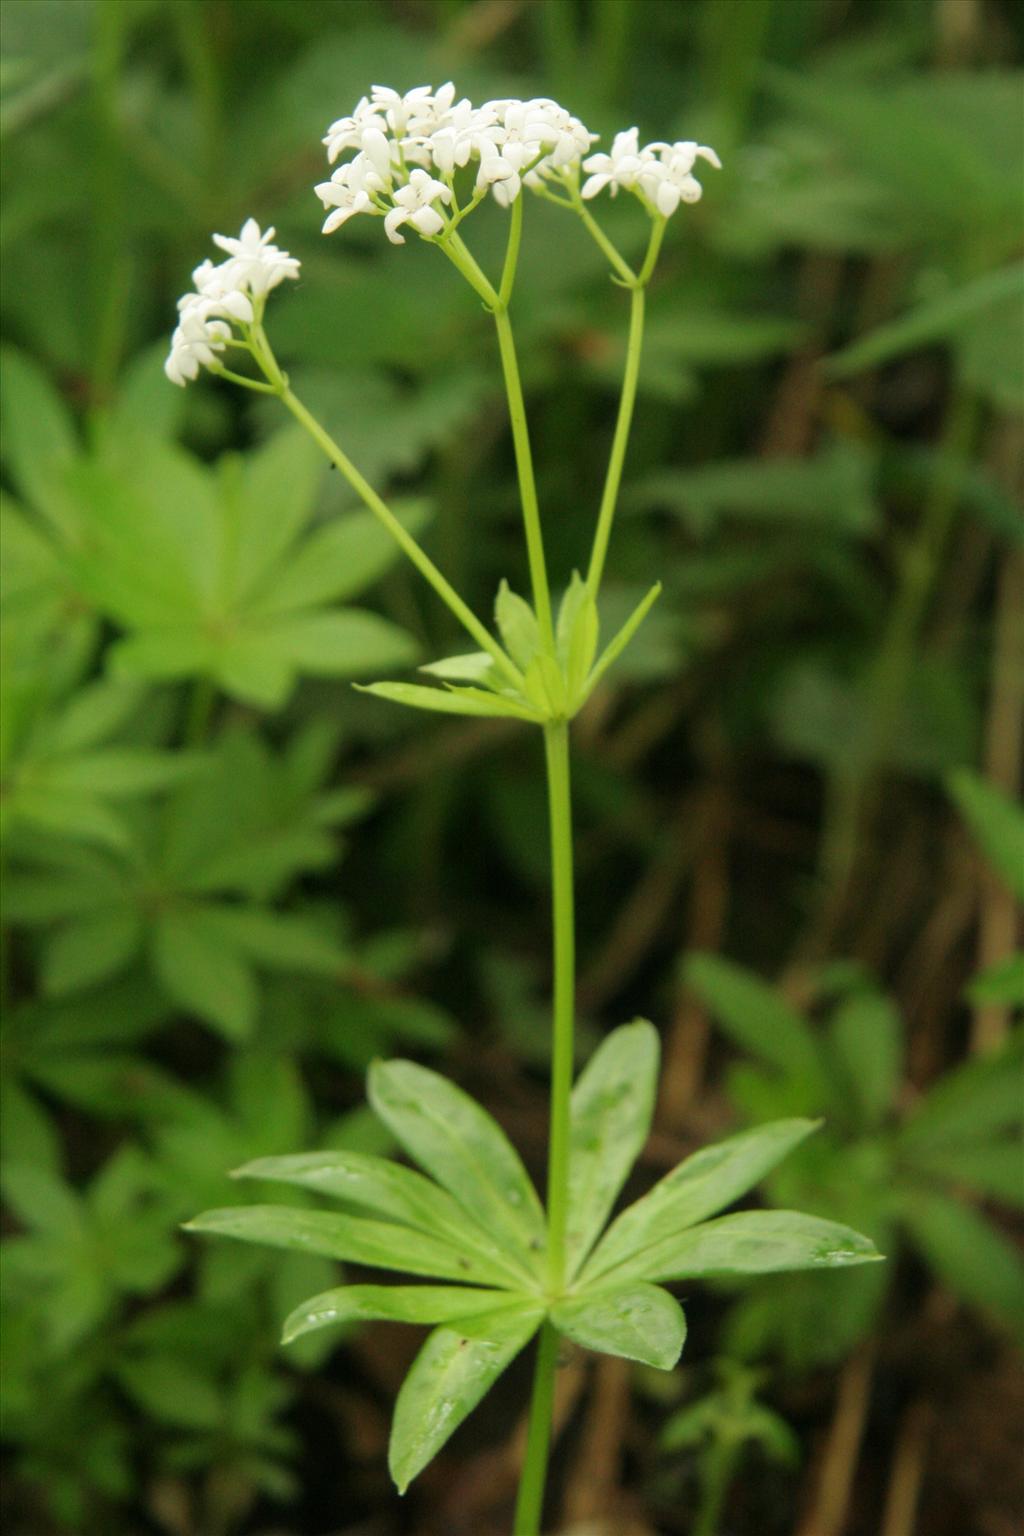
(409, 152)
(233, 290)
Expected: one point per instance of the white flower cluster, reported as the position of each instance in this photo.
(229, 291)
(408, 149)
(661, 173)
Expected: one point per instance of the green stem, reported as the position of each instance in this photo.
(383, 513)
(515, 235)
(593, 228)
(459, 254)
(624, 421)
(617, 458)
(530, 1503)
(529, 1506)
(720, 1466)
(556, 748)
(527, 484)
(497, 301)
(238, 378)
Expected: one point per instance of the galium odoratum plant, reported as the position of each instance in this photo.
(512, 1268)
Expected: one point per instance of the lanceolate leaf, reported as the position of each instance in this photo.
(474, 667)
(705, 1183)
(615, 647)
(636, 1320)
(750, 1243)
(201, 974)
(379, 1244)
(867, 1036)
(388, 1303)
(967, 1252)
(972, 1103)
(996, 822)
(995, 1169)
(517, 624)
(755, 1015)
(465, 1150)
(361, 1179)
(457, 1365)
(935, 319)
(451, 701)
(612, 1105)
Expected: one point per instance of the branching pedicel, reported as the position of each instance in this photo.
(423, 162)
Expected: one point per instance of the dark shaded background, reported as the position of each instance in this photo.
(825, 472)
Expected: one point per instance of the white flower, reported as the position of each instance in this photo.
(197, 338)
(231, 291)
(498, 172)
(257, 263)
(667, 179)
(419, 111)
(427, 131)
(218, 284)
(532, 139)
(413, 206)
(347, 132)
(352, 189)
(452, 143)
(660, 173)
(618, 169)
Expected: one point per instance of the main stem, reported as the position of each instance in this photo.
(556, 748)
(529, 1507)
(530, 1503)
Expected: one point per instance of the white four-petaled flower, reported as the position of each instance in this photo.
(667, 179)
(619, 168)
(661, 173)
(413, 206)
(230, 291)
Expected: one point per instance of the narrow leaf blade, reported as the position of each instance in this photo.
(970, 1255)
(455, 1368)
(867, 1036)
(356, 1239)
(389, 1189)
(636, 1321)
(753, 1243)
(450, 701)
(517, 625)
(462, 1147)
(388, 1303)
(473, 667)
(754, 1015)
(996, 822)
(970, 1104)
(707, 1182)
(612, 1105)
(615, 647)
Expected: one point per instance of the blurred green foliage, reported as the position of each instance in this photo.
(824, 472)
